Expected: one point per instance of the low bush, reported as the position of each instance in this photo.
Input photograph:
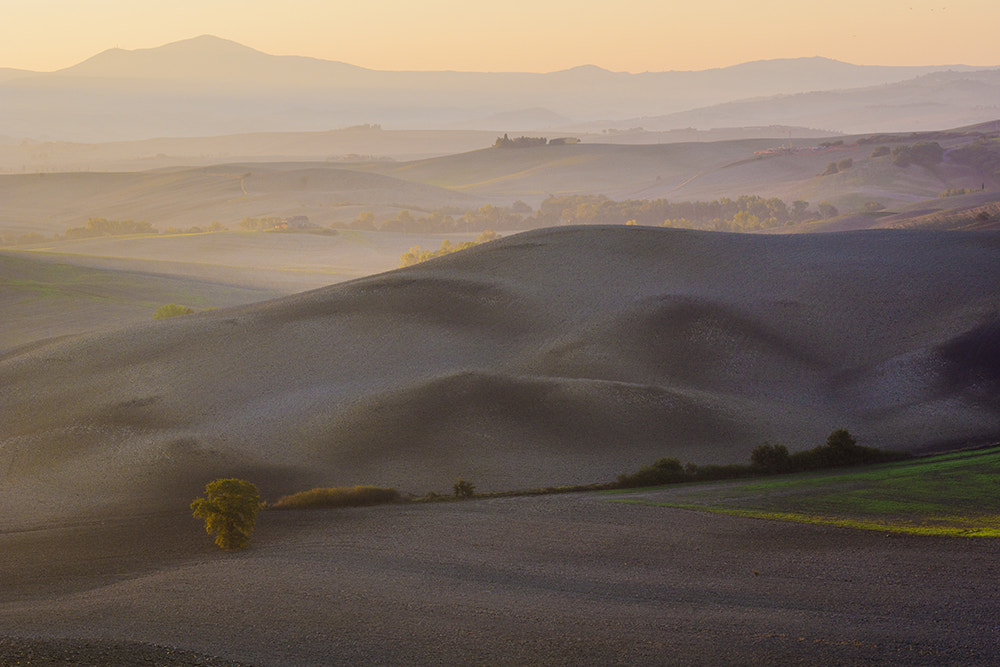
(464, 488)
(338, 496)
(663, 471)
(171, 310)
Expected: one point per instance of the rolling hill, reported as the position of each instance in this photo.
(43, 297)
(704, 171)
(183, 197)
(550, 357)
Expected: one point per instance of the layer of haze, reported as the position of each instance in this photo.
(517, 35)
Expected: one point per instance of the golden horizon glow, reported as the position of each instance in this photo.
(515, 36)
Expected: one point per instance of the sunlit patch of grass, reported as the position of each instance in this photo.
(950, 494)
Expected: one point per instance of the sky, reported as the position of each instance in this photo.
(516, 35)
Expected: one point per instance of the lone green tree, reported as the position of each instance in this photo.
(229, 511)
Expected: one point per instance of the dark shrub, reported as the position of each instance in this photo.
(463, 488)
(663, 471)
(338, 496)
(771, 459)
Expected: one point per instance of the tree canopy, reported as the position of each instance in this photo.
(229, 511)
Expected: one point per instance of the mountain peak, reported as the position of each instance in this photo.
(206, 58)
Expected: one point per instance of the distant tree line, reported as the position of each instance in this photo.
(98, 227)
(746, 213)
(983, 155)
(520, 142)
(104, 227)
(416, 254)
(841, 449)
(260, 224)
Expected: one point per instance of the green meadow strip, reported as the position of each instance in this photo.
(954, 494)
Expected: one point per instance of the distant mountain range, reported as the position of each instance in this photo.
(209, 86)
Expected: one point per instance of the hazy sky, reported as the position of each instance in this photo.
(516, 35)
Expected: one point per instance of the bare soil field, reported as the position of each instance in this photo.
(570, 579)
(557, 356)
(553, 357)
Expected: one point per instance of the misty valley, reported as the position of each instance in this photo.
(584, 367)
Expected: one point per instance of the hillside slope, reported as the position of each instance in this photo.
(551, 357)
(182, 197)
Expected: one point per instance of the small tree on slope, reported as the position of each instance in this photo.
(230, 511)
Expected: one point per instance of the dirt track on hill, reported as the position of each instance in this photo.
(569, 579)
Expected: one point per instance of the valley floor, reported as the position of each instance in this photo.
(570, 579)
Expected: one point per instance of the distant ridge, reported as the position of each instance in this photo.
(208, 85)
(207, 58)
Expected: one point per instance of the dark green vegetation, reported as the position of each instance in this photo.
(229, 511)
(948, 494)
(923, 153)
(841, 449)
(339, 496)
(463, 488)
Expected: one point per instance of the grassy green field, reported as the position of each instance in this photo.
(954, 494)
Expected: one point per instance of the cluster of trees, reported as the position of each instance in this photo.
(837, 167)
(260, 224)
(746, 213)
(520, 142)
(416, 254)
(213, 227)
(26, 238)
(104, 227)
(984, 155)
(97, 227)
(841, 449)
(923, 153)
(448, 220)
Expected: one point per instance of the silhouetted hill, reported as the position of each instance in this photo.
(207, 85)
(211, 59)
(927, 102)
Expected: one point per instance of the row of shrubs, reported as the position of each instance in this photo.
(841, 449)
(339, 496)
(230, 509)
